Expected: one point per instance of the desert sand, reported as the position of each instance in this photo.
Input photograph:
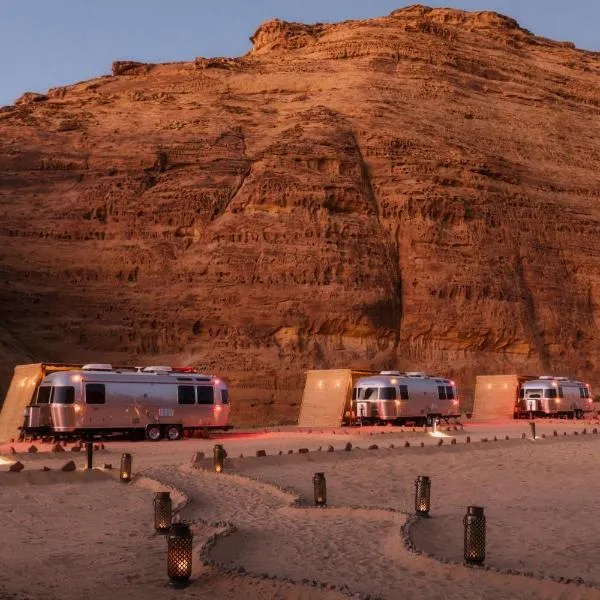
(85, 534)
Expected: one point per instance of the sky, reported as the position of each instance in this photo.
(49, 43)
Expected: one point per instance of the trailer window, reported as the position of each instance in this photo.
(367, 393)
(442, 392)
(95, 393)
(584, 393)
(205, 395)
(186, 394)
(449, 392)
(63, 394)
(224, 397)
(43, 395)
(521, 393)
(387, 393)
(551, 393)
(403, 392)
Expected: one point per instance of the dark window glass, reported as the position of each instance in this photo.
(551, 393)
(404, 392)
(441, 392)
(63, 394)
(224, 396)
(205, 395)
(186, 394)
(387, 393)
(582, 392)
(43, 395)
(367, 393)
(449, 392)
(95, 393)
(521, 393)
(354, 393)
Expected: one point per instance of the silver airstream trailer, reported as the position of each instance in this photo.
(398, 397)
(554, 396)
(156, 401)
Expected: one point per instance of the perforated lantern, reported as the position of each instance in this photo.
(320, 485)
(162, 512)
(179, 554)
(218, 458)
(422, 495)
(474, 523)
(125, 473)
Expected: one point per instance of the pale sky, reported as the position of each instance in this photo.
(47, 43)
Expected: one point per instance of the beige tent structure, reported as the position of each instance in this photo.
(496, 396)
(327, 397)
(23, 385)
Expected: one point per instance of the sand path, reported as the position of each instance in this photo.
(362, 548)
(64, 539)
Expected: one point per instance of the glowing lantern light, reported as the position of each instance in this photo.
(179, 554)
(218, 458)
(422, 495)
(125, 474)
(474, 524)
(162, 512)
(320, 487)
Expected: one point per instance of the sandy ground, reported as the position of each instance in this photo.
(85, 534)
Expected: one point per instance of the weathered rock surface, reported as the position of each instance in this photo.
(417, 191)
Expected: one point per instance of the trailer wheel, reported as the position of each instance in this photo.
(174, 432)
(153, 433)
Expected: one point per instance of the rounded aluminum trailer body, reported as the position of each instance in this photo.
(548, 396)
(394, 396)
(110, 401)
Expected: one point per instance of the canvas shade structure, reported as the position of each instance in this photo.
(496, 396)
(21, 392)
(327, 397)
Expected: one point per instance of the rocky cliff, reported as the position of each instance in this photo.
(414, 191)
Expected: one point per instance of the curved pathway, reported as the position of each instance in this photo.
(360, 550)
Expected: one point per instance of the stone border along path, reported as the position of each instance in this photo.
(240, 507)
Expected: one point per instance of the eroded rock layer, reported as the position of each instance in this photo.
(417, 191)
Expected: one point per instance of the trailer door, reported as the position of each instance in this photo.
(97, 413)
(205, 397)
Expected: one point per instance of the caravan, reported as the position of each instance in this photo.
(549, 395)
(156, 401)
(398, 397)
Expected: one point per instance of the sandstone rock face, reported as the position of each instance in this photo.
(417, 191)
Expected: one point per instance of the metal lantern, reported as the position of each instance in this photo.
(320, 485)
(162, 512)
(179, 554)
(219, 458)
(474, 523)
(532, 427)
(125, 474)
(89, 454)
(422, 495)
